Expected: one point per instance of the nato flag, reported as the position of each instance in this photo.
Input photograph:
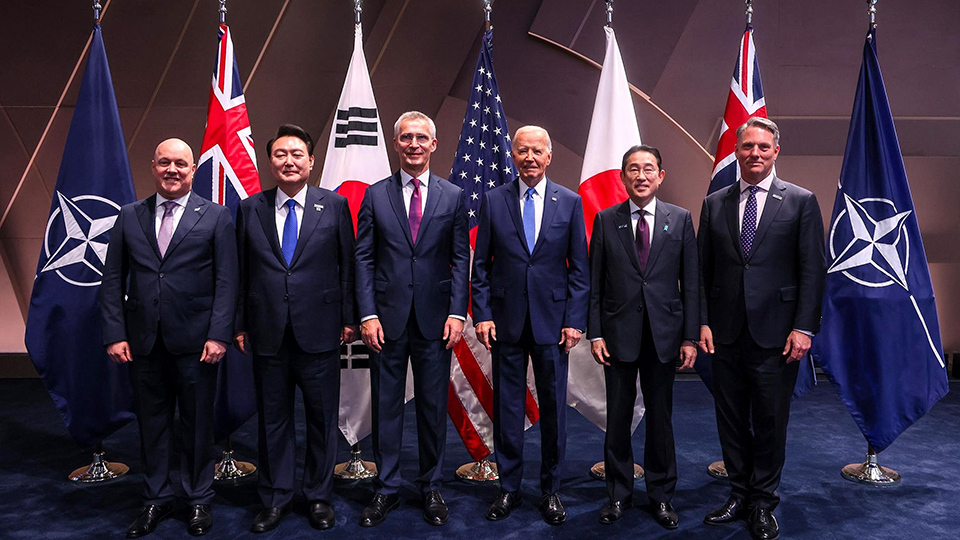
(880, 339)
(63, 326)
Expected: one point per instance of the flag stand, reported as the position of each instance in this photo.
(229, 469)
(356, 468)
(598, 471)
(100, 470)
(870, 472)
(478, 472)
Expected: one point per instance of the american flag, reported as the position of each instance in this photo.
(745, 100)
(227, 174)
(482, 162)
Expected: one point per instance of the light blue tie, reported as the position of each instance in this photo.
(289, 232)
(530, 220)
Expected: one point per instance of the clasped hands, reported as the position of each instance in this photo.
(487, 334)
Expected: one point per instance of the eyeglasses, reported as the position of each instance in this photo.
(407, 138)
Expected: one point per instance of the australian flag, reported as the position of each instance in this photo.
(880, 338)
(227, 174)
(92, 393)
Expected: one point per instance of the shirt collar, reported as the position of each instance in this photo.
(300, 197)
(540, 188)
(406, 177)
(181, 201)
(650, 208)
(764, 184)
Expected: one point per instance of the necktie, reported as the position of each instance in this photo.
(748, 229)
(415, 215)
(166, 227)
(643, 240)
(289, 232)
(530, 220)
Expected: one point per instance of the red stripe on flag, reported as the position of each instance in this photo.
(743, 63)
(468, 432)
(223, 59)
(353, 190)
(474, 375)
(600, 191)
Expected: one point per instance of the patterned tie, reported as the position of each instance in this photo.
(289, 245)
(749, 227)
(643, 240)
(415, 215)
(166, 227)
(530, 220)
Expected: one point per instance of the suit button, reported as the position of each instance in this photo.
(746, 267)
(289, 273)
(410, 285)
(530, 265)
(524, 292)
(286, 297)
(644, 283)
(414, 259)
(156, 301)
(161, 274)
(640, 308)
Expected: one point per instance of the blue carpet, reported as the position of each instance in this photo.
(36, 500)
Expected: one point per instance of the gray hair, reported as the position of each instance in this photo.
(535, 128)
(762, 123)
(414, 115)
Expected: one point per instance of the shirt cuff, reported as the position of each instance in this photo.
(458, 317)
(367, 318)
(805, 332)
(596, 339)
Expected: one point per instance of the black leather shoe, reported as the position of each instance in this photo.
(377, 510)
(269, 518)
(506, 502)
(434, 509)
(200, 521)
(321, 515)
(552, 510)
(146, 522)
(665, 515)
(763, 525)
(732, 510)
(613, 511)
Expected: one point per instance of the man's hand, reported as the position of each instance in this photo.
(372, 334)
(240, 342)
(486, 333)
(348, 334)
(599, 350)
(452, 331)
(706, 339)
(569, 337)
(688, 354)
(797, 346)
(119, 352)
(213, 351)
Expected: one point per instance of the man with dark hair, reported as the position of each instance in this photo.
(167, 301)
(644, 315)
(413, 258)
(296, 307)
(762, 270)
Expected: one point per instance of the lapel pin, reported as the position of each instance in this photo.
(318, 207)
(622, 226)
(665, 227)
(197, 209)
(554, 199)
(778, 197)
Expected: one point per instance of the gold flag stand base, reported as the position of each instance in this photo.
(100, 470)
(598, 471)
(478, 472)
(870, 472)
(229, 469)
(717, 470)
(356, 468)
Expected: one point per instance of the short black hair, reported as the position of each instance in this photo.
(641, 148)
(292, 130)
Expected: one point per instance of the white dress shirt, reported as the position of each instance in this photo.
(539, 192)
(649, 214)
(761, 196)
(281, 210)
(407, 189)
(177, 213)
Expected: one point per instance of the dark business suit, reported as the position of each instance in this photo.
(167, 308)
(643, 315)
(530, 297)
(751, 305)
(294, 315)
(412, 288)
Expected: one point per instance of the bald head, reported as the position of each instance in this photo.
(173, 168)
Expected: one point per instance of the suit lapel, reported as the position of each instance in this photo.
(770, 208)
(661, 230)
(147, 215)
(433, 199)
(312, 211)
(267, 212)
(625, 232)
(549, 209)
(192, 212)
(731, 204)
(513, 207)
(396, 201)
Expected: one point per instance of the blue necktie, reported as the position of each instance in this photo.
(748, 229)
(530, 220)
(289, 232)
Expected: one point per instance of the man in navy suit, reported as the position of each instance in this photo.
(763, 269)
(530, 288)
(644, 315)
(296, 307)
(167, 303)
(413, 257)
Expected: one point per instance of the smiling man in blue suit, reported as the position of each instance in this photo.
(531, 282)
(413, 263)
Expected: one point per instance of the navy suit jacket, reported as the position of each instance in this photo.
(668, 289)
(190, 294)
(315, 292)
(781, 282)
(394, 274)
(552, 284)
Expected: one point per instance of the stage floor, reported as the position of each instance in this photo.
(37, 501)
